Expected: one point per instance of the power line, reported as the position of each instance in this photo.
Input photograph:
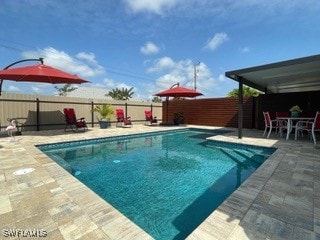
(22, 44)
(12, 48)
(129, 75)
(124, 73)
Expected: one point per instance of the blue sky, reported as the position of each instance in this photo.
(150, 45)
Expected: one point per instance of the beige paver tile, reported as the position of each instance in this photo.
(5, 204)
(105, 216)
(241, 233)
(65, 213)
(271, 227)
(219, 228)
(276, 201)
(7, 220)
(121, 228)
(2, 177)
(299, 201)
(200, 234)
(240, 204)
(95, 234)
(80, 226)
(300, 233)
(41, 220)
(54, 235)
(263, 198)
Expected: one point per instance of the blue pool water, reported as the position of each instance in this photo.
(167, 183)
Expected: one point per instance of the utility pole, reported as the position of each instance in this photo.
(195, 74)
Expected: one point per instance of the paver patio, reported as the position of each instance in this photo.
(281, 200)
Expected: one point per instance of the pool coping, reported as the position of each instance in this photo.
(71, 210)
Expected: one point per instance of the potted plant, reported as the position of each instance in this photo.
(178, 118)
(295, 111)
(106, 112)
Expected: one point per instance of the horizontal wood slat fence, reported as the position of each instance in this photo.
(38, 112)
(221, 112)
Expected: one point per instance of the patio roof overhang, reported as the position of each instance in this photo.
(296, 75)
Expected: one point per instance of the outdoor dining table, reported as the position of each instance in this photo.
(291, 120)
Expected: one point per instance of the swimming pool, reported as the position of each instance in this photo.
(166, 182)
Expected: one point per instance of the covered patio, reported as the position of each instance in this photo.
(296, 80)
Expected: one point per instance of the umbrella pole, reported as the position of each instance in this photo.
(167, 100)
(1, 81)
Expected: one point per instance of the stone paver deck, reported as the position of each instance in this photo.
(281, 200)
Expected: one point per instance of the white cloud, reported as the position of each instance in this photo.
(149, 48)
(90, 57)
(12, 88)
(36, 89)
(154, 6)
(245, 49)
(111, 84)
(216, 41)
(84, 64)
(221, 78)
(167, 80)
(161, 64)
(182, 72)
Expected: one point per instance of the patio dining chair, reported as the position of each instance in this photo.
(122, 121)
(72, 121)
(309, 126)
(271, 124)
(280, 122)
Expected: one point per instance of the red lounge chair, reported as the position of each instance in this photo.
(72, 121)
(150, 120)
(122, 121)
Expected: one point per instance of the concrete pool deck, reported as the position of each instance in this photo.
(281, 200)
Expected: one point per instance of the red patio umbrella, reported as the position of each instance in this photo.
(38, 73)
(177, 91)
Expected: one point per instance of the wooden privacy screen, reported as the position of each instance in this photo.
(221, 112)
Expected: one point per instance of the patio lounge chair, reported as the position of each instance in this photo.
(150, 120)
(122, 121)
(72, 121)
(310, 126)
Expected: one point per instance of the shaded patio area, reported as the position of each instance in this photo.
(278, 201)
(300, 75)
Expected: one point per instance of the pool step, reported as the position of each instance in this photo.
(235, 154)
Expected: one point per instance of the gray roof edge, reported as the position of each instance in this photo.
(233, 73)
